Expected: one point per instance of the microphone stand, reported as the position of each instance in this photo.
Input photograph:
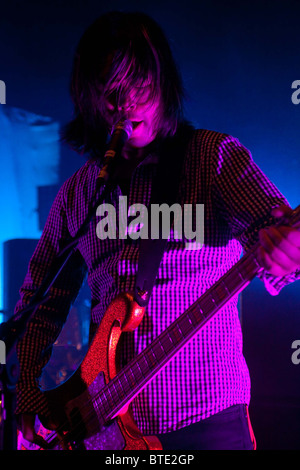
(12, 330)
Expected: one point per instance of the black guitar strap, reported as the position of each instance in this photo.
(165, 189)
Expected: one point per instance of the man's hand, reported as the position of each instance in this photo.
(279, 253)
(26, 426)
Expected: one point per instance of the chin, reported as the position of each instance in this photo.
(139, 143)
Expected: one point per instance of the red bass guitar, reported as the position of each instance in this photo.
(92, 407)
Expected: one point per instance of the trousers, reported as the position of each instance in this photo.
(229, 429)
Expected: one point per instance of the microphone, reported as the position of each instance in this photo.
(120, 134)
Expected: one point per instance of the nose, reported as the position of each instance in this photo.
(127, 106)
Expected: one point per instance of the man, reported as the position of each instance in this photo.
(123, 69)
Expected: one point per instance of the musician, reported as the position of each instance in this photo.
(123, 68)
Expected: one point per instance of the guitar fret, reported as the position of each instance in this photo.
(96, 405)
(185, 326)
(131, 377)
(206, 304)
(118, 388)
(226, 288)
(194, 315)
(99, 410)
(110, 399)
(125, 385)
(152, 359)
(136, 371)
(213, 299)
(220, 292)
(158, 349)
(126, 378)
(232, 281)
(174, 335)
(242, 274)
(102, 398)
(190, 320)
(176, 325)
(197, 312)
(141, 374)
(254, 265)
(144, 366)
(165, 343)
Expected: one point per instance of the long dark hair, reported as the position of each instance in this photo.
(128, 48)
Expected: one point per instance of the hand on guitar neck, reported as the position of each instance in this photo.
(279, 253)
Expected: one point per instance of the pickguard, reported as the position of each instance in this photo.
(84, 413)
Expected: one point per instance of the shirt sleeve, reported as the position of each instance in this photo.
(245, 197)
(35, 347)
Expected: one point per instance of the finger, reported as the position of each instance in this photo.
(29, 432)
(271, 240)
(280, 251)
(291, 234)
(268, 264)
(282, 210)
(34, 438)
(40, 441)
(287, 242)
(285, 212)
(263, 258)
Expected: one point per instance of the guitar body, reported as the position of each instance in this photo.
(76, 420)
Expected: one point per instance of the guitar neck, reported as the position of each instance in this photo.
(128, 383)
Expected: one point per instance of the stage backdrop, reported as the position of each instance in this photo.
(30, 153)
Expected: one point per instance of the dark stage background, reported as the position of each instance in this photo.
(239, 60)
